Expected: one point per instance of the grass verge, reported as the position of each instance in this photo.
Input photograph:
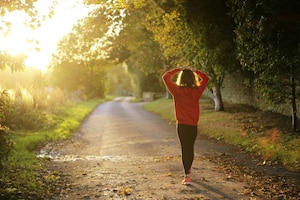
(257, 132)
(23, 172)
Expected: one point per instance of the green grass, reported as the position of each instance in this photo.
(163, 107)
(23, 170)
(272, 144)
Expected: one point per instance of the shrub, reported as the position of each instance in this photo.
(5, 106)
(18, 111)
(5, 145)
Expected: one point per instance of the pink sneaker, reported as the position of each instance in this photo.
(187, 179)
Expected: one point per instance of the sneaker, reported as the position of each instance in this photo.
(187, 179)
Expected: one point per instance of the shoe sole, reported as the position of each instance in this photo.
(186, 183)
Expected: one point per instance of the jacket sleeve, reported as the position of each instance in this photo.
(167, 78)
(204, 80)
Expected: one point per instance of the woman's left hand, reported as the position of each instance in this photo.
(191, 68)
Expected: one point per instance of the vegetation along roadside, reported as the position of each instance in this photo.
(22, 174)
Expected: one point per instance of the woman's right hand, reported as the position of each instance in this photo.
(182, 68)
(191, 68)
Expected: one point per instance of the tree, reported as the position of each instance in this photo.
(15, 62)
(119, 81)
(214, 46)
(198, 33)
(268, 44)
(9, 6)
(80, 62)
(134, 45)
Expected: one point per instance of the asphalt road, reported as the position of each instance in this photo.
(121, 128)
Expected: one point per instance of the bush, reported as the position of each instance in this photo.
(18, 111)
(5, 142)
(5, 145)
(26, 118)
(5, 106)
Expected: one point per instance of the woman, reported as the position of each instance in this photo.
(186, 94)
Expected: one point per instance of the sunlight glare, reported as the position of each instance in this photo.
(66, 14)
(16, 41)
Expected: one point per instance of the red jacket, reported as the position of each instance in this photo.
(186, 100)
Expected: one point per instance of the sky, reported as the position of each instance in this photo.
(66, 14)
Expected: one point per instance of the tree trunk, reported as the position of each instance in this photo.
(294, 102)
(216, 92)
(168, 95)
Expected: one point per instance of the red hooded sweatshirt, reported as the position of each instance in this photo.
(186, 100)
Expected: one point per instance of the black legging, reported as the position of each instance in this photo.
(187, 136)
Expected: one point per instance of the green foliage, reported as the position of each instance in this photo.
(214, 37)
(268, 38)
(119, 81)
(5, 105)
(5, 145)
(86, 43)
(80, 62)
(135, 46)
(17, 5)
(18, 111)
(169, 33)
(85, 79)
(14, 62)
(198, 33)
